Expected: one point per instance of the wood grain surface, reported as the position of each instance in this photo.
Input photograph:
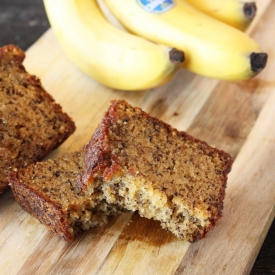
(235, 117)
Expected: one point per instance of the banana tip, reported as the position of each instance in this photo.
(176, 56)
(249, 10)
(258, 61)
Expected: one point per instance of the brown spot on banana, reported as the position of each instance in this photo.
(176, 56)
(258, 61)
(249, 10)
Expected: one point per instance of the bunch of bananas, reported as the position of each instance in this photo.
(140, 44)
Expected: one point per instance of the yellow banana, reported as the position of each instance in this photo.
(238, 14)
(109, 15)
(111, 56)
(212, 48)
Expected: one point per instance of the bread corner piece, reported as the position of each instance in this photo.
(48, 190)
(148, 166)
(31, 123)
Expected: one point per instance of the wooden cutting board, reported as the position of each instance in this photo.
(236, 117)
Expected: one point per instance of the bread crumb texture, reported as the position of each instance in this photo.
(144, 164)
(31, 123)
(48, 190)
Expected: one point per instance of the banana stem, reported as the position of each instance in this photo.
(258, 61)
(249, 10)
(176, 56)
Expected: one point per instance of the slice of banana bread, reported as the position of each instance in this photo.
(165, 174)
(48, 190)
(31, 123)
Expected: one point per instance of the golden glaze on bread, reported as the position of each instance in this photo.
(148, 166)
(31, 123)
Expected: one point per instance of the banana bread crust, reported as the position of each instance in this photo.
(48, 191)
(45, 210)
(31, 123)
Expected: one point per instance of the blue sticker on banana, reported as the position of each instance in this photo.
(156, 6)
